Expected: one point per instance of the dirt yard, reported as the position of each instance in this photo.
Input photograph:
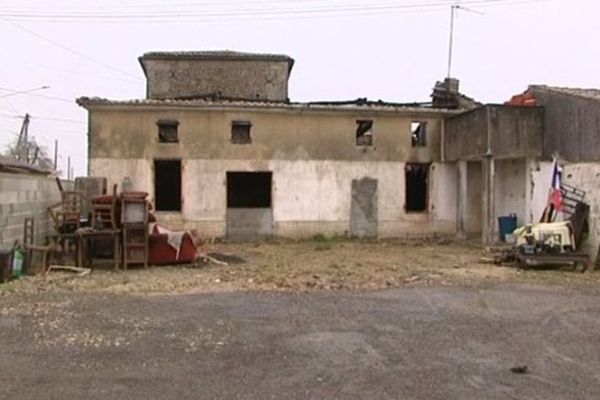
(320, 263)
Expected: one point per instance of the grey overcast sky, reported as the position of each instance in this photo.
(381, 49)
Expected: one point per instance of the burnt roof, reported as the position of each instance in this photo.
(351, 105)
(589, 93)
(219, 55)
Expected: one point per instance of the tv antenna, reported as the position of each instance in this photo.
(453, 11)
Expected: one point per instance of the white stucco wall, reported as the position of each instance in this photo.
(473, 208)
(511, 188)
(586, 176)
(309, 197)
(538, 183)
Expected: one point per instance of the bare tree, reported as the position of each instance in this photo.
(26, 149)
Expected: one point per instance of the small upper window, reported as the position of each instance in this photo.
(240, 132)
(167, 131)
(364, 132)
(418, 131)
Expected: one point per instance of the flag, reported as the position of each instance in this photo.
(556, 196)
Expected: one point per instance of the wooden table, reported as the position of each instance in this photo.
(89, 235)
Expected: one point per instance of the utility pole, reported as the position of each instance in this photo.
(451, 41)
(55, 154)
(69, 168)
(23, 141)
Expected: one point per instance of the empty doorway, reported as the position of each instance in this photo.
(167, 185)
(416, 178)
(249, 205)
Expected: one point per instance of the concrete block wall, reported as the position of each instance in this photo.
(23, 196)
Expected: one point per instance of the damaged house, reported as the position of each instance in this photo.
(503, 155)
(220, 148)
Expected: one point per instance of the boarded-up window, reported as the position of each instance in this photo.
(418, 131)
(167, 131)
(364, 132)
(249, 189)
(240, 132)
(167, 185)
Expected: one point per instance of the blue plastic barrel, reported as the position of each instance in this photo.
(507, 225)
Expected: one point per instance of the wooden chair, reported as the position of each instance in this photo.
(102, 225)
(66, 215)
(71, 208)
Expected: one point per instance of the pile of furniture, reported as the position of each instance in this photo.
(116, 227)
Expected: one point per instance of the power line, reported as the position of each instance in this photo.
(158, 16)
(67, 70)
(42, 117)
(70, 50)
(65, 120)
(18, 92)
(13, 92)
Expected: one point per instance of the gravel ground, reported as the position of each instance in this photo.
(409, 343)
(323, 319)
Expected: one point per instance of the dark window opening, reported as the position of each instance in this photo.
(240, 132)
(167, 131)
(364, 132)
(167, 185)
(418, 134)
(249, 189)
(416, 181)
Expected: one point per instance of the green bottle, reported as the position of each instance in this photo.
(17, 264)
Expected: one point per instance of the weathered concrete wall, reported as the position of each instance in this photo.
(572, 125)
(239, 79)
(442, 196)
(511, 188)
(309, 197)
(465, 135)
(473, 209)
(516, 132)
(299, 134)
(23, 196)
(505, 131)
(363, 208)
(249, 223)
(586, 176)
(538, 185)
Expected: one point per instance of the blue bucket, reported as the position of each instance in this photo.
(507, 225)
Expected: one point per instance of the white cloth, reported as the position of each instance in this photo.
(173, 238)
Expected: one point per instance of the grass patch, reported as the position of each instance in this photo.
(6, 287)
(320, 238)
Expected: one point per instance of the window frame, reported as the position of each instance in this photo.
(240, 123)
(368, 133)
(167, 123)
(414, 139)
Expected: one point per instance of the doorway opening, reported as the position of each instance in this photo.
(167, 185)
(249, 189)
(416, 187)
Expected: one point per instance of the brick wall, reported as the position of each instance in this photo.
(22, 196)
